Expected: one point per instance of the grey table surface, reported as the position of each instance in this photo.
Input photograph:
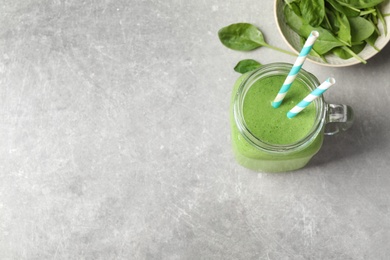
(115, 141)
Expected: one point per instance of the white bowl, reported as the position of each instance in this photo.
(293, 39)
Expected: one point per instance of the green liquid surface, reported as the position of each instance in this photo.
(270, 124)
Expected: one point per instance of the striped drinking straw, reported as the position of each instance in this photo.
(295, 69)
(312, 96)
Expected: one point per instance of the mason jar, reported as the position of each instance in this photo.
(254, 153)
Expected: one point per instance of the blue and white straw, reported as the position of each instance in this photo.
(312, 96)
(295, 69)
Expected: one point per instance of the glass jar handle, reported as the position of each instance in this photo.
(340, 118)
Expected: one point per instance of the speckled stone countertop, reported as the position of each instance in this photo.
(115, 141)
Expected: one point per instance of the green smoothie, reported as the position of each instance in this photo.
(270, 124)
(271, 142)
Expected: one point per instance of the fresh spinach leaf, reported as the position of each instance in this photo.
(241, 37)
(343, 9)
(372, 39)
(245, 37)
(326, 42)
(374, 21)
(245, 66)
(313, 11)
(345, 52)
(344, 32)
(331, 18)
(359, 4)
(326, 23)
(361, 29)
(295, 7)
(382, 19)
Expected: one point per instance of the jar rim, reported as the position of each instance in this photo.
(278, 69)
